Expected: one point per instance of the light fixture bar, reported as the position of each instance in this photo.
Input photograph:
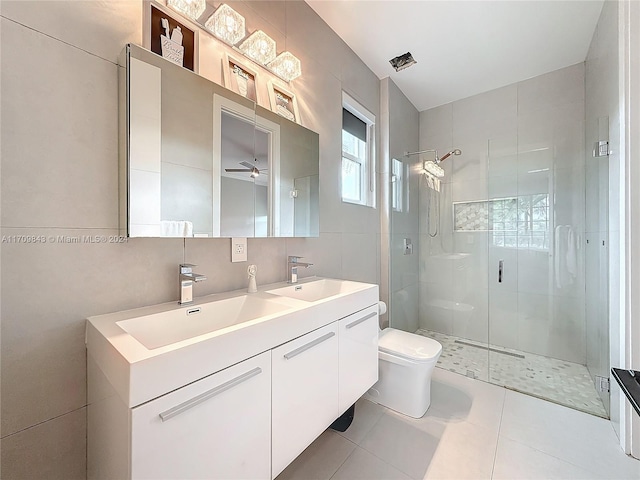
(229, 26)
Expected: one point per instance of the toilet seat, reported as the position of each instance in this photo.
(409, 346)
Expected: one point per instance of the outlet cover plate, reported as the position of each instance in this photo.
(238, 249)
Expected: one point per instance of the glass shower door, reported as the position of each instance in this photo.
(438, 260)
(454, 235)
(536, 257)
(519, 261)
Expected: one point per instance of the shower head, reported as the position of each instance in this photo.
(432, 168)
(456, 151)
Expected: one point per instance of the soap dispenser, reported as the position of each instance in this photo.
(252, 270)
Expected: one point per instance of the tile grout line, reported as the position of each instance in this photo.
(345, 460)
(369, 429)
(48, 227)
(495, 453)
(563, 460)
(551, 455)
(58, 40)
(43, 422)
(381, 459)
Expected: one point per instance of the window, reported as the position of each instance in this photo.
(358, 173)
(398, 180)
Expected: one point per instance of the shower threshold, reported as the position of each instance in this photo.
(558, 381)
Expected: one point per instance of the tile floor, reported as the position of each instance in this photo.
(473, 430)
(563, 382)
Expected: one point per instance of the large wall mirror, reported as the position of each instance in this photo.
(198, 160)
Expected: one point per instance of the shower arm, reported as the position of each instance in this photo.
(436, 160)
(455, 151)
(408, 154)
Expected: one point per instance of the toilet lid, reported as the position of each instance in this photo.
(408, 345)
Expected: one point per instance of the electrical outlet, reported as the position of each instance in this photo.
(238, 249)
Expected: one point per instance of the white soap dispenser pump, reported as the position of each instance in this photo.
(252, 270)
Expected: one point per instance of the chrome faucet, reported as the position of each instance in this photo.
(292, 268)
(187, 277)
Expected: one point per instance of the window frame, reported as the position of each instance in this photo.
(367, 171)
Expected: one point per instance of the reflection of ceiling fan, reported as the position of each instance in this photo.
(251, 168)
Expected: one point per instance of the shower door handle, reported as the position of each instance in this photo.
(500, 268)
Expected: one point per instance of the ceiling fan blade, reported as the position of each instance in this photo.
(247, 164)
(244, 170)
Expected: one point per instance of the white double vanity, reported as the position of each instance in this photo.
(232, 386)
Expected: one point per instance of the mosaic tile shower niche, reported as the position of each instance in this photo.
(515, 222)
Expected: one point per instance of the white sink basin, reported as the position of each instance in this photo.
(162, 329)
(317, 290)
(149, 351)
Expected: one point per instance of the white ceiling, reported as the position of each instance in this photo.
(462, 47)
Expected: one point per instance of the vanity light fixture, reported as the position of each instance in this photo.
(229, 26)
(191, 8)
(226, 24)
(259, 47)
(286, 66)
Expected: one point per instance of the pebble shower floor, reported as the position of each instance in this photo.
(556, 380)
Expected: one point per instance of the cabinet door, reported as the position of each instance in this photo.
(305, 392)
(358, 339)
(216, 428)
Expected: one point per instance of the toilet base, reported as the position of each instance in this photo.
(403, 387)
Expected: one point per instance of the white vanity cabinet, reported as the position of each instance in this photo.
(240, 401)
(358, 355)
(304, 392)
(216, 428)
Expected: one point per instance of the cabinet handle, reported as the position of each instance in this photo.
(500, 268)
(360, 320)
(184, 406)
(309, 345)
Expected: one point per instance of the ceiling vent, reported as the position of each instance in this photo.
(402, 62)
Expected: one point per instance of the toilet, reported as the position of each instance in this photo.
(406, 362)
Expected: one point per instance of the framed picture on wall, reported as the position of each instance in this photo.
(240, 78)
(175, 40)
(283, 102)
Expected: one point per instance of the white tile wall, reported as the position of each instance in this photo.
(59, 151)
(404, 270)
(60, 177)
(99, 28)
(42, 452)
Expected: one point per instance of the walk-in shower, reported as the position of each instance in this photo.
(499, 237)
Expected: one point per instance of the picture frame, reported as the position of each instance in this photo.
(154, 35)
(283, 102)
(240, 78)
